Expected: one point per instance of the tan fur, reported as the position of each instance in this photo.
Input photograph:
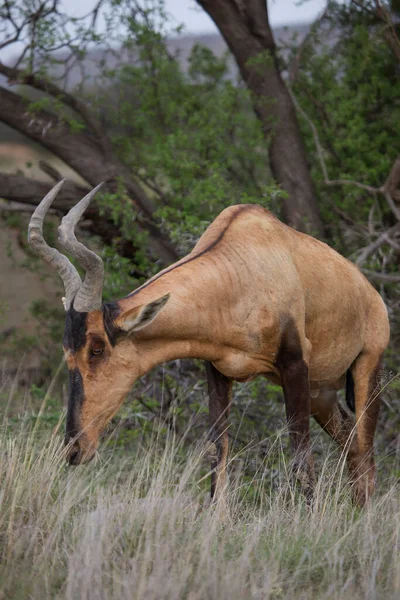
(248, 277)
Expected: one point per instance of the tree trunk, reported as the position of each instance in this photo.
(245, 28)
(82, 152)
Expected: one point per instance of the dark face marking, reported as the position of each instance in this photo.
(75, 330)
(111, 310)
(75, 401)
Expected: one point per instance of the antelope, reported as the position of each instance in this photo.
(254, 297)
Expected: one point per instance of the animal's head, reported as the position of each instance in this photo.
(103, 363)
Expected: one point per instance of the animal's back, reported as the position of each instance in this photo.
(250, 232)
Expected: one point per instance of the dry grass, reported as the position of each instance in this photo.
(137, 528)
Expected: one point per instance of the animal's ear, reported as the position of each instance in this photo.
(139, 317)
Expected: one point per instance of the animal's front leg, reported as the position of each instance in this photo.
(220, 391)
(294, 376)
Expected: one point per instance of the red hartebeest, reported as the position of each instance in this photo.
(254, 297)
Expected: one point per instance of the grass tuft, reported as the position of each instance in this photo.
(138, 527)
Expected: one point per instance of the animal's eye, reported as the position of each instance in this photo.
(97, 346)
(97, 351)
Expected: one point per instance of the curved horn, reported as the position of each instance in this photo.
(89, 296)
(68, 273)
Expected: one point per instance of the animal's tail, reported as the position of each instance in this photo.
(350, 399)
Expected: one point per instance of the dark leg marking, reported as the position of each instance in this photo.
(294, 376)
(220, 393)
(350, 398)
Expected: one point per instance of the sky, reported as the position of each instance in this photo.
(281, 12)
(195, 20)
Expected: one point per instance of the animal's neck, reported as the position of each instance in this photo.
(156, 352)
(189, 326)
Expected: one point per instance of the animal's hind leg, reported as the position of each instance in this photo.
(334, 419)
(365, 370)
(294, 376)
(220, 391)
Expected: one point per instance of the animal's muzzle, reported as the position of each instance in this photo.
(78, 451)
(73, 452)
(75, 458)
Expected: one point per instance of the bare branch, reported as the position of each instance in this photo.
(389, 187)
(382, 239)
(382, 276)
(50, 170)
(7, 17)
(395, 210)
(394, 244)
(24, 190)
(22, 208)
(348, 219)
(19, 76)
(393, 180)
